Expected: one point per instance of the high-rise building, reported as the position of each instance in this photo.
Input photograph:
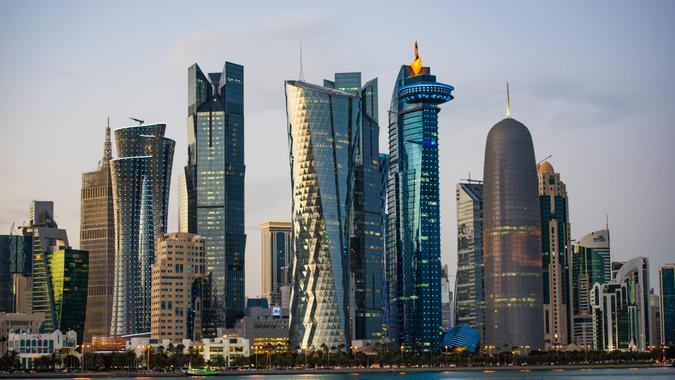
(276, 251)
(469, 301)
(555, 256)
(413, 262)
(322, 129)
(177, 285)
(667, 289)
(141, 176)
(446, 300)
(655, 318)
(60, 291)
(183, 208)
(97, 236)
(214, 179)
(15, 263)
(512, 239)
(635, 274)
(590, 265)
(367, 242)
(46, 237)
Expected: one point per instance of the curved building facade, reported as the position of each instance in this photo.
(512, 240)
(322, 126)
(141, 175)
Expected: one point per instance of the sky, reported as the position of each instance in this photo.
(593, 81)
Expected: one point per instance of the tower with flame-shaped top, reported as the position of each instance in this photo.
(413, 259)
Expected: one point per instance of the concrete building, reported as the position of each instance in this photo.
(177, 287)
(555, 256)
(655, 338)
(265, 328)
(512, 239)
(276, 251)
(18, 323)
(97, 236)
(32, 346)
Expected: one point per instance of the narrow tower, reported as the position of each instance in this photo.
(512, 239)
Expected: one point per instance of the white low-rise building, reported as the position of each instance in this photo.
(32, 346)
(229, 347)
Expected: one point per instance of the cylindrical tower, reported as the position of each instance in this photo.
(512, 240)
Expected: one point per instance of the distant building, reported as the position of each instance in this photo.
(413, 257)
(177, 287)
(469, 293)
(667, 289)
(655, 318)
(556, 256)
(141, 177)
(97, 236)
(590, 265)
(276, 251)
(446, 300)
(512, 239)
(214, 179)
(322, 126)
(15, 263)
(265, 328)
(30, 347)
(18, 323)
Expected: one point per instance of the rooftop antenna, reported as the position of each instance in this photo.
(139, 121)
(301, 77)
(107, 147)
(469, 176)
(508, 102)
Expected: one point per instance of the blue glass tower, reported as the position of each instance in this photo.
(322, 127)
(215, 187)
(413, 231)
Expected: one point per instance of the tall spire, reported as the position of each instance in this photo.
(107, 147)
(508, 102)
(301, 77)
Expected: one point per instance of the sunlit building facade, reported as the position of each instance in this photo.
(97, 236)
(469, 303)
(512, 239)
(322, 127)
(214, 179)
(141, 175)
(413, 261)
(555, 256)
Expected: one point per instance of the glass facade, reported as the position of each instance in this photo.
(97, 236)
(276, 251)
(555, 256)
(323, 125)
(667, 288)
(413, 262)
(141, 175)
(215, 187)
(634, 276)
(469, 302)
(512, 240)
(15, 258)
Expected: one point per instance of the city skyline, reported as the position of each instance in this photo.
(588, 109)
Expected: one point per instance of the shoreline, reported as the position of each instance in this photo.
(327, 371)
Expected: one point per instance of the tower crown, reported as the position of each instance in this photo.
(416, 65)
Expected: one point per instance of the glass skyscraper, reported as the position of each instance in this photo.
(367, 243)
(469, 302)
(413, 262)
(214, 179)
(667, 289)
(97, 236)
(555, 255)
(15, 259)
(512, 240)
(323, 125)
(276, 250)
(590, 265)
(141, 175)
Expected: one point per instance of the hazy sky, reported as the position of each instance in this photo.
(593, 81)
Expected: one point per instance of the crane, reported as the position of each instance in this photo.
(139, 121)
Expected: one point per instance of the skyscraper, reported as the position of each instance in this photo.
(177, 284)
(15, 261)
(141, 175)
(635, 275)
(367, 242)
(214, 179)
(413, 230)
(276, 251)
(555, 255)
(469, 301)
(446, 300)
(512, 239)
(655, 318)
(590, 265)
(97, 236)
(323, 125)
(667, 289)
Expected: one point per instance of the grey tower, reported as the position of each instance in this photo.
(512, 239)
